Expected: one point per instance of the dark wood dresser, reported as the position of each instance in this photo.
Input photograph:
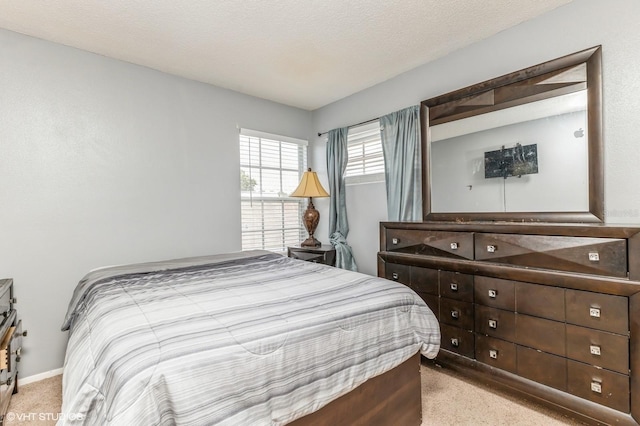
(550, 311)
(10, 346)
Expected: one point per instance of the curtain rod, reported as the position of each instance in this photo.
(354, 125)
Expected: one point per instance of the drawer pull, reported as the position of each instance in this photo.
(493, 323)
(454, 342)
(596, 386)
(594, 257)
(594, 312)
(395, 276)
(595, 350)
(455, 314)
(395, 241)
(454, 286)
(454, 246)
(493, 354)
(492, 248)
(493, 293)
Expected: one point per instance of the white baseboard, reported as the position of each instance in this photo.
(37, 377)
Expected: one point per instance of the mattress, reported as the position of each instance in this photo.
(243, 338)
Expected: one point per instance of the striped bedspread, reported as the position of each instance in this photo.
(243, 339)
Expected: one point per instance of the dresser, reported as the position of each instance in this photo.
(548, 311)
(10, 346)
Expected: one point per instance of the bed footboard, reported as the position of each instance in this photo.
(389, 399)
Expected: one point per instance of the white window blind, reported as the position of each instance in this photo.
(366, 160)
(270, 169)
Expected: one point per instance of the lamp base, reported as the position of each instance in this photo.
(310, 242)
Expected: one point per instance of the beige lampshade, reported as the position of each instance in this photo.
(309, 186)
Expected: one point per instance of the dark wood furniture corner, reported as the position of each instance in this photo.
(550, 312)
(325, 254)
(10, 346)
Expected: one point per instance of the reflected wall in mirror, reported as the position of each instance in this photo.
(525, 146)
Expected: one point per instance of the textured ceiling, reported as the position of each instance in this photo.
(304, 53)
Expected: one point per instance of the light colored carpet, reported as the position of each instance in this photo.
(447, 399)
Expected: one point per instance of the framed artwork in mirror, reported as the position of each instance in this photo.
(526, 146)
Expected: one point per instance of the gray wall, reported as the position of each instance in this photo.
(103, 162)
(573, 27)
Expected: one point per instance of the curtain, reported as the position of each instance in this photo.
(400, 134)
(338, 224)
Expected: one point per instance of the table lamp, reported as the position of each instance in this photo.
(310, 187)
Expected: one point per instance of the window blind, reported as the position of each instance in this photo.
(364, 148)
(270, 169)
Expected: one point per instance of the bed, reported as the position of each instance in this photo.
(241, 338)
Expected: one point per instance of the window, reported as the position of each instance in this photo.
(366, 160)
(270, 169)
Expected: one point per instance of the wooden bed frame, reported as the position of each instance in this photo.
(394, 397)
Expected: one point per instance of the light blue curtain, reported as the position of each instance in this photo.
(400, 134)
(338, 224)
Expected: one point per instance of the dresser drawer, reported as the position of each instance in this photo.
(431, 243)
(599, 256)
(456, 286)
(495, 292)
(600, 311)
(457, 340)
(399, 273)
(424, 280)
(540, 301)
(433, 302)
(495, 322)
(600, 348)
(598, 385)
(550, 370)
(495, 352)
(456, 313)
(539, 333)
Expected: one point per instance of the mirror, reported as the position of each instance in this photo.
(526, 146)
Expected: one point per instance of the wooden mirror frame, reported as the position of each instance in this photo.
(441, 104)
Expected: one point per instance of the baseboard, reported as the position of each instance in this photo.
(37, 377)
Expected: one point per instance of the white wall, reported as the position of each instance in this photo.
(104, 162)
(576, 26)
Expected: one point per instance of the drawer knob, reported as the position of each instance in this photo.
(493, 323)
(594, 257)
(595, 350)
(492, 248)
(493, 354)
(13, 300)
(395, 241)
(493, 293)
(454, 286)
(594, 312)
(395, 276)
(596, 386)
(454, 246)
(454, 342)
(455, 314)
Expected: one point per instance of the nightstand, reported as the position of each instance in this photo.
(323, 254)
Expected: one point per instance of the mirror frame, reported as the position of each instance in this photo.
(593, 59)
